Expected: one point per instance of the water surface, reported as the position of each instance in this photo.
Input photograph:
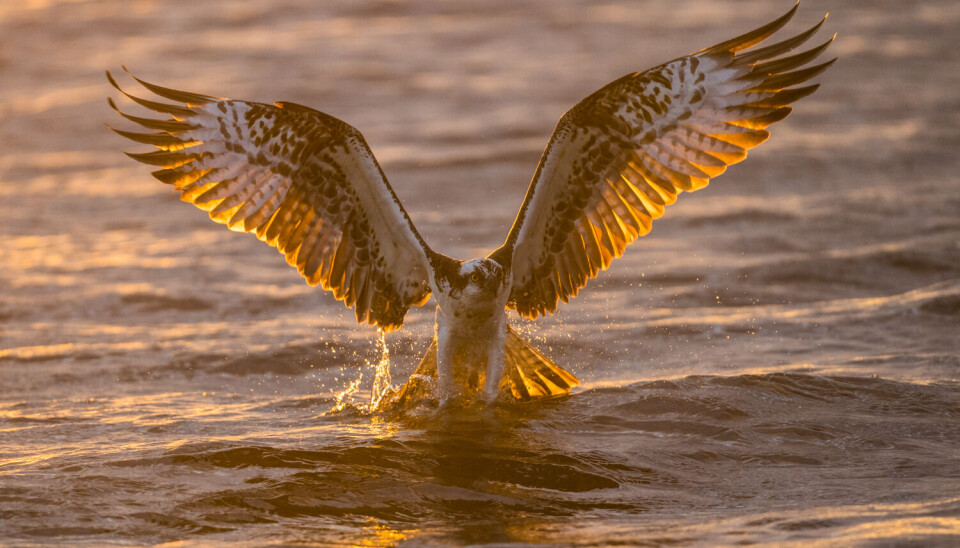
(777, 362)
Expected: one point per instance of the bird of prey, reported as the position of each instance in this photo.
(308, 184)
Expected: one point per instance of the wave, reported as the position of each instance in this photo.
(683, 447)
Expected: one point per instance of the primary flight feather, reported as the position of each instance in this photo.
(308, 184)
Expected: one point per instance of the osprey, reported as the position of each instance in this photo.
(308, 184)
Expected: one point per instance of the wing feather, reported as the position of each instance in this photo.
(302, 181)
(622, 155)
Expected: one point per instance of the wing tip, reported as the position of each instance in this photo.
(113, 81)
(753, 37)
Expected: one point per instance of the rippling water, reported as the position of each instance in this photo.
(744, 458)
(777, 362)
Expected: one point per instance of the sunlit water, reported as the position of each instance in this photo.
(721, 459)
(777, 362)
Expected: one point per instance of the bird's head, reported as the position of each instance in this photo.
(481, 277)
(470, 285)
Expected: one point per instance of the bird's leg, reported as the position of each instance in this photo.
(445, 356)
(495, 363)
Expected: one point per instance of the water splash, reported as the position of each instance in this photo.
(382, 390)
(345, 397)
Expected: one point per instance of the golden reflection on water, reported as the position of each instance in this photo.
(379, 535)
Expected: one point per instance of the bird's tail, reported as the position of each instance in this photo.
(528, 374)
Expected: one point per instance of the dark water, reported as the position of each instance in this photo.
(751, 458)
(776, 363)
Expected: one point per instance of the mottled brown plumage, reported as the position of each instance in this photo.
(622, 155)
(303, 182)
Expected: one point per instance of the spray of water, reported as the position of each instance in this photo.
(381, 392)
(383, 389)
(345, 396)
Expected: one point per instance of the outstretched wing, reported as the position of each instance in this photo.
(303, 182)
(624, 153)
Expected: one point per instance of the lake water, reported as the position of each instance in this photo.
(777, 362)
